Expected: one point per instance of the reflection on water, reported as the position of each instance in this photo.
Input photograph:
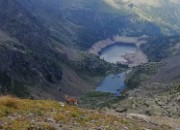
(114, 53)
(113, 84)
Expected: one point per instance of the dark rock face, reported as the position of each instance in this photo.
(28, 57)
(20, 24)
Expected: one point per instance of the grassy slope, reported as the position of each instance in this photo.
(25, 114)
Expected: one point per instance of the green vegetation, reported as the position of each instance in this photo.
(100, 100)
(141, 73)
(94, 66)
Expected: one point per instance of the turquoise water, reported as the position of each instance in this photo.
(114, 53)
(113, 84)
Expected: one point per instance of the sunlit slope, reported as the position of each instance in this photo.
(163, 13)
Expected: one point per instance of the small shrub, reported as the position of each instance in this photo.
(61, 117)
(75, 114)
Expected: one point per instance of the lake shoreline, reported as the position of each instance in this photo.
(98, 46)
(132, 59)
(123, 50)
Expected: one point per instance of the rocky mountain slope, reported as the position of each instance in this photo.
(154, 94)
(25, 49)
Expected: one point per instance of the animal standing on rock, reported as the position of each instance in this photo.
(70, 100)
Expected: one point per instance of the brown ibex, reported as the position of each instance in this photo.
(70, 100)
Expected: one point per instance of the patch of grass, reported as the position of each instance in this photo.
(85, 119)
(9, 102)
(124, 122)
